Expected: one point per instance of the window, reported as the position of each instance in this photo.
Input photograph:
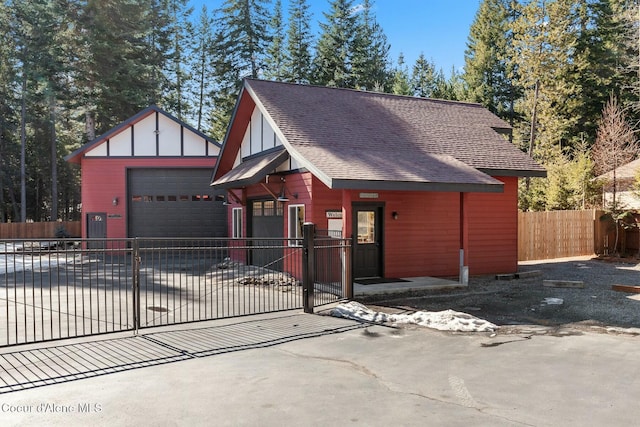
(236, 226)
(366, 227)
(296, 219)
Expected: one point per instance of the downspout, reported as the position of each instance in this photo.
(464, 243)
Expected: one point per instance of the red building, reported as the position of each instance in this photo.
(149, 177)
(421, 184)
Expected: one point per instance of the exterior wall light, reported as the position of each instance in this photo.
(115, 201)
(394, 215)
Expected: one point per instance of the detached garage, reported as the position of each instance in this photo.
(149, 177)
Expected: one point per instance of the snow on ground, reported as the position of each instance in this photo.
(447, 320)
(13, 259)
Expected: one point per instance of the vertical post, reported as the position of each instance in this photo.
(464, 242)
(136, 285)
(308, 266)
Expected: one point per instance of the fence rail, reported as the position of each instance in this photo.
(39, 230)
(64, 288)
(556, 234)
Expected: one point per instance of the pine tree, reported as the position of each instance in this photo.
(334, 53)
(240, 42)
(423, 77)
(486, 60)
(297, 58)
(275, 59)
(544, 39)
(181, 47)
(370, 56)
(596, 71)
(401, 83)
(201, 65)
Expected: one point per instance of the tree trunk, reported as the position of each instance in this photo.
(89, 125)
(54, 161)
(23, 151)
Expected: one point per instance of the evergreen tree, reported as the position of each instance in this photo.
(370, 57)
(240, 42)
(423, 77)
(9, 120)
(275, 59)
(181, 36)
(486, 61)
(335, 49)
(401, 83)
(544, 39)
(297, 58)
(201, 65)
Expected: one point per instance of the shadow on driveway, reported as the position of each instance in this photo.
(35, 367)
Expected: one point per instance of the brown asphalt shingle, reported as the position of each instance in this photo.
(354, 135)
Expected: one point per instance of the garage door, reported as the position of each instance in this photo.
(173, 203)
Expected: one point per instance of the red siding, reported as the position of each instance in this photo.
(493, 225)
(103, 179)
(425, 239)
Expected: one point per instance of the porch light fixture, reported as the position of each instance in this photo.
(394, 215)
(114, 202)
(223, 198)
(282, 197)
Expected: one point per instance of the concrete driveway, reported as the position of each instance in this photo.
(296, 369)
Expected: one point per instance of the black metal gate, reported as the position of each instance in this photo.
(56, 289)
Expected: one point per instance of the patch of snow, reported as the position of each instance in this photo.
(14, 259)
(447, 320)
(553, 301)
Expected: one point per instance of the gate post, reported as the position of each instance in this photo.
(136, 285)
(308, 266)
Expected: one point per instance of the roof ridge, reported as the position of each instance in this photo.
(369, 92)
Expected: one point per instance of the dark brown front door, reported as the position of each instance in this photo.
(368, 242)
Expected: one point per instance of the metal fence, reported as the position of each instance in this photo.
(53, 289)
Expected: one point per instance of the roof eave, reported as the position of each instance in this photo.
(524, 173)
(348, 184)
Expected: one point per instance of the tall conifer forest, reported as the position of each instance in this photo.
(73, 69)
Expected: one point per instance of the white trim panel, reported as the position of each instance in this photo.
(169, 137)
(145, 137)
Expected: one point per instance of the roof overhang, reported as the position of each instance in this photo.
(541, 173)
(457, 187)
(252, 170)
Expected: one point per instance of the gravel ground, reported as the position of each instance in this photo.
(512, 304)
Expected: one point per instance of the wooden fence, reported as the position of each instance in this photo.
(557, 234)
(38, 230)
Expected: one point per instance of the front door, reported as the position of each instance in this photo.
(96, 229)
(368, 241)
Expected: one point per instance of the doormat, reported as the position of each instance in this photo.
(378, 280)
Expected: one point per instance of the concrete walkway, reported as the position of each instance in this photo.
(409, 284)
(309, 370)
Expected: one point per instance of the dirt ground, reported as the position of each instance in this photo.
(514, 303)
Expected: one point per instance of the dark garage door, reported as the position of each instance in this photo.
(173, 203)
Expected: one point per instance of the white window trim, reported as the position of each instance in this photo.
(236, 226)
(289, 224)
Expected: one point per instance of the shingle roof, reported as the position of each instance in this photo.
(354, 139)
(626, 171)
(344, 122)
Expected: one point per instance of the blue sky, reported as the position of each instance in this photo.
(437, 28)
